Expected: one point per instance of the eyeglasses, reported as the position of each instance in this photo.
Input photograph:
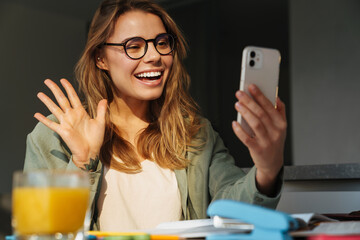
(136, 48)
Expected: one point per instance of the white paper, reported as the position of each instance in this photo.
(195, 228)
(332, 228)
(312, 217)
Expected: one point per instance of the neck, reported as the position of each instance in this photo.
(126, 110)
(130, 116)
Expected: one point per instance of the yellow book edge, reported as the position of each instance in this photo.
(100, 234)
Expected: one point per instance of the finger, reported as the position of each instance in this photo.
(242, 135)
(47, 122)
(101, 111)
(281, 108)
(267, 105)
(255, 123)
(53, 108)
(71, 93)
(256, 109)
(261, 99)
(280, 118)
(59, 95)
(259, 96)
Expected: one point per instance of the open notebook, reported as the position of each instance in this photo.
(199, 228)
(218, 225)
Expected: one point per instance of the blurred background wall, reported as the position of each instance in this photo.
(38, 40)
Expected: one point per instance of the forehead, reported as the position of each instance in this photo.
(137, 24)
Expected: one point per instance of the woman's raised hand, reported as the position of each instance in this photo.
(269, 125)
(83, 135)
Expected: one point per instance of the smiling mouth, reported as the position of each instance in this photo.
(149, 76)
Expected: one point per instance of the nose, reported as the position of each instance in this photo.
(151, 54)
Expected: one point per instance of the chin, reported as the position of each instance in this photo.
(150, 96)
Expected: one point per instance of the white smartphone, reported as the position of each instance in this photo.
(259, 66)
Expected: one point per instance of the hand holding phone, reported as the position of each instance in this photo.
(260, 66)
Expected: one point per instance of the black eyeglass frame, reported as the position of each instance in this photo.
(146, 44)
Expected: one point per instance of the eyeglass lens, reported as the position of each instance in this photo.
(136, 47)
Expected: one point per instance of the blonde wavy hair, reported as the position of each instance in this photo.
(174, 119)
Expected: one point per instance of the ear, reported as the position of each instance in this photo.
(100, 62)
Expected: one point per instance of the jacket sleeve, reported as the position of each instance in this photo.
(46, 150)
(227, 181)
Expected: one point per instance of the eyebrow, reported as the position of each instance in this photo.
(123, 41)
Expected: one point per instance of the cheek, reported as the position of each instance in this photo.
(121, 65)
(169, 61)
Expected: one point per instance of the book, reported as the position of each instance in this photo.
(201, 227)
(310, 220)
(336, 228)
(217, 225)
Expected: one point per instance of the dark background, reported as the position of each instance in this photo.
(211, 27)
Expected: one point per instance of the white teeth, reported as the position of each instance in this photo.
(148, 74)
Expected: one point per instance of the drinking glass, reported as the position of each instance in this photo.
(49, 204)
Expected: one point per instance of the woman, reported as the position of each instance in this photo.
(152, 158)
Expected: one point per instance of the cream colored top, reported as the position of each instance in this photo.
(138, 201)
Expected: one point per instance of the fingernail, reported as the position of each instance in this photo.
(252, 87)
(238, 106)
(239, 94)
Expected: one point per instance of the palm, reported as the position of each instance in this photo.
(82, 134)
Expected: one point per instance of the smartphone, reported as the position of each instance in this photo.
(259, 66)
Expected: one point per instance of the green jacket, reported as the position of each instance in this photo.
(210, 175)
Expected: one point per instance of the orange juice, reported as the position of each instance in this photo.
(49, 210)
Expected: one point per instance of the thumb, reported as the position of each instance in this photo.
(101, 111)
(280, 105)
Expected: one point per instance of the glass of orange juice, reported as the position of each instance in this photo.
(49, 204)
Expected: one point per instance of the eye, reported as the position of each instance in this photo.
(163, 43)
(135, 44)
(132, 46)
